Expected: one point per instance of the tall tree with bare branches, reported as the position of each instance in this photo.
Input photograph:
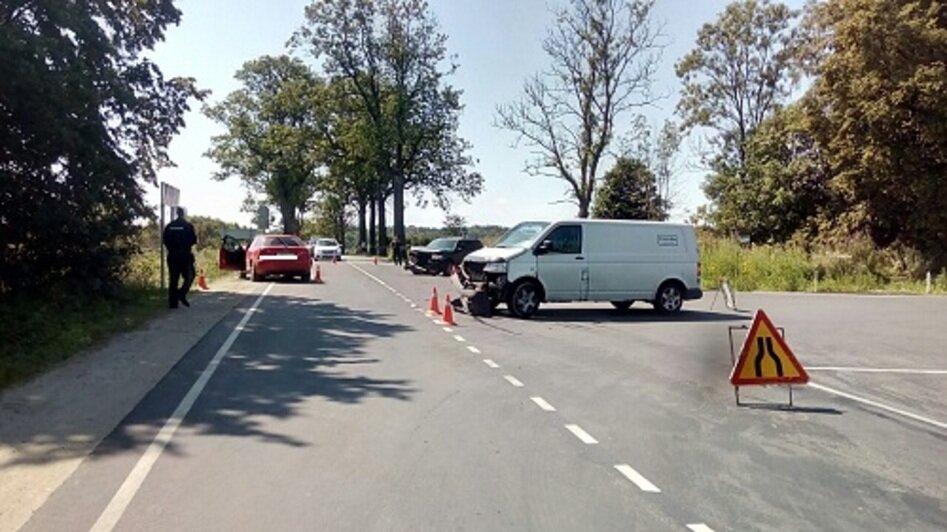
(604, 54)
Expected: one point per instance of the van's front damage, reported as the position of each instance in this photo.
(485, 272)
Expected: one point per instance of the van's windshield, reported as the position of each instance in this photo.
(522, 235)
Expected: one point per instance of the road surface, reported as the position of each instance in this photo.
(342, 406)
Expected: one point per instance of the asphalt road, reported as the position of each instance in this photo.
(343, 407)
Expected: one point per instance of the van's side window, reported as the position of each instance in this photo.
(566, 239)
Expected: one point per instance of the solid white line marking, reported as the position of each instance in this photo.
(123, 497)
(541, 403)
(459, 338)
(879, 370)
(581, 434)
(448, 329)
(513, 380)
(473, 350)
(700, 527)
(876, 404)
(637, 478)
(490, 363)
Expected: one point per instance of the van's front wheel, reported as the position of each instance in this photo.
(670, 298)
(524, 299)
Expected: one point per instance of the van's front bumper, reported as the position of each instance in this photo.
(693, 293)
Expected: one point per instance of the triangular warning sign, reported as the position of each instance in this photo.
(766, 358)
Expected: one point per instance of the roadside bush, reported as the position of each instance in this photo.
(856, 267)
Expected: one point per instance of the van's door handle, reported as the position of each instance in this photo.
(580, 258)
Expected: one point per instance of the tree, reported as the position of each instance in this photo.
(740, 71)
(390, 54)
(785, 186)
(629, 192)
(879, 108)
(455, 224)
(273, 141)
(604, 57)
(86, 120)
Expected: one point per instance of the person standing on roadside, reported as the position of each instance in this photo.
(179, 236)
(396, 251)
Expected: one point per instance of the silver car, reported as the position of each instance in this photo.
(325, 249)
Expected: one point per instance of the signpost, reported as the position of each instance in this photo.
(171, 198)
(766, 359)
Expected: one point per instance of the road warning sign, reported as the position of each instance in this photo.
(766, 358)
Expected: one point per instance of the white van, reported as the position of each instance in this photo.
(589, 260)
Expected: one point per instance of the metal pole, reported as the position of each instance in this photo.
(161, 237)
(927, 283)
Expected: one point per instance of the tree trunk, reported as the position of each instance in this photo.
(290, 224)
(584, 207)
(382, 226)
(371, 227)
(362, 230)
(399, 207)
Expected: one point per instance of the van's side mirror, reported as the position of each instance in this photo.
(544, 247)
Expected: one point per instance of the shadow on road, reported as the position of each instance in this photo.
(293, 351)
(795, 409)
(597, 315)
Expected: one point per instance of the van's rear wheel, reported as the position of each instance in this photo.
(524, 299)
(622, 305)
(670, 298)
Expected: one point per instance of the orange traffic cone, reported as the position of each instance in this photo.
(318, 277)
(448, 311)
(201, 280)
(433, 309)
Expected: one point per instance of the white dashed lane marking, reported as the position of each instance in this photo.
(448, 330)
(473, 350)
(541, 403)
(583, 436)
(490, 363)
(637, 478)
(459, 338)
(513, 380)
(699, 527)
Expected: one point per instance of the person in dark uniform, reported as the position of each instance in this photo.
(179, 236)
(396, 251)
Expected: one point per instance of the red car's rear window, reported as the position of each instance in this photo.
(279, 241)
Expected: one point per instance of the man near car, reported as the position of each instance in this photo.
(179, 236)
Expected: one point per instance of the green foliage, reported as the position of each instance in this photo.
(274, 140)
(41, 332)
(784, 185)
(856, 267)
(455, 224)
(388, 60)
(879, 112)
(603, 55)
(85, 118)
(739, 73)
(629, 191)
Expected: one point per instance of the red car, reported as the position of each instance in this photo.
(267, 255)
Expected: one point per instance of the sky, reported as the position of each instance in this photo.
(497, 43)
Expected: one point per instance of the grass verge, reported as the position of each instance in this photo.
(41, 334)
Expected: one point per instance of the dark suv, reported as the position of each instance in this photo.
(440, 254)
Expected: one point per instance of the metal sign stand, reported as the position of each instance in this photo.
(733, 359)
(729, 297)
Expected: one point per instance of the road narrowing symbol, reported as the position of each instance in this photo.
(766, 358)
